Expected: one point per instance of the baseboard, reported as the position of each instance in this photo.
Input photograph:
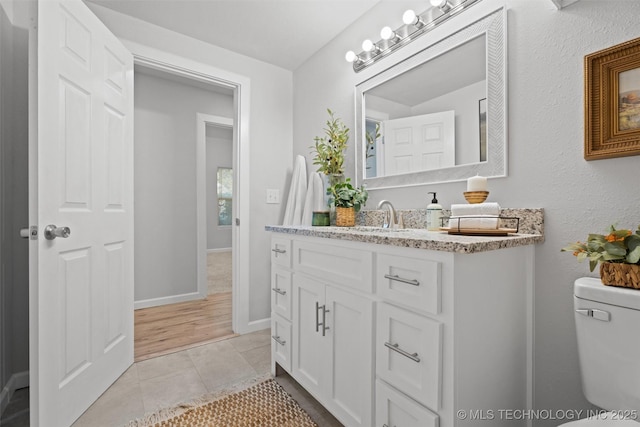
(16, 382)
(210, 251)
(256, 325)
(173, 299)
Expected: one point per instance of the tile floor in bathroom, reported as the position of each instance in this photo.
(180, 377)
(183, 376)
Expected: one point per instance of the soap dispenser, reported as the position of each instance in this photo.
(434, 214)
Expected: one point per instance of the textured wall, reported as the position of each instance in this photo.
(546, 48)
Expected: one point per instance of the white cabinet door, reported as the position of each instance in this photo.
(395, 409)
(349, 357)
(83, 332)
(307, 357)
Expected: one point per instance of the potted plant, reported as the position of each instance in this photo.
(348, 200)
(618, 253)
(329, 149)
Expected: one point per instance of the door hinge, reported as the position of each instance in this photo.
(237, 221)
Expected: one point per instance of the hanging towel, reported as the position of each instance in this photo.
(297, 190)
(315, 198)
(484, 222)
(474, 209)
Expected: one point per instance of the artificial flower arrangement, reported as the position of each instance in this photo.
(618, 246)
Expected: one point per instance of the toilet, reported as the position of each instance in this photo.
(607, 320)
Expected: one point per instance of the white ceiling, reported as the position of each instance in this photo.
(281, 32)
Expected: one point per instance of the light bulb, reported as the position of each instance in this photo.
(438, 3)
(409, 17)
(367, 45)
(386, 33)
(351, 56)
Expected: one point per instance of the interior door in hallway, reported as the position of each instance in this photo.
(82, 333)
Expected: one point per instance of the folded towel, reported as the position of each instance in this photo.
(297, 189)
(484, 222)
(491, 208)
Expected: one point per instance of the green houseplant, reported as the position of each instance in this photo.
(618, 253)
(329, 149)
(348, 200)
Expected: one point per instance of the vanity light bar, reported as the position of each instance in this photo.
(414, 27)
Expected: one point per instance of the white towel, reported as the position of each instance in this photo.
(315, 198)
(295, 201)
(484, 222)
(474, 209)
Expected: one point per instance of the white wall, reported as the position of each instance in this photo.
(546, 48)
(165, 182)
(219, 155)
(270, 131)
(14, 275)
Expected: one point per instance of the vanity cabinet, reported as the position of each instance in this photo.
(384, 335)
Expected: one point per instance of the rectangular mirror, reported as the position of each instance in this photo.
(439, 115)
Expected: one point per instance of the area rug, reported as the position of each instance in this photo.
(265, 404)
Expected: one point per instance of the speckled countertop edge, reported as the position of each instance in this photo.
(413, 238)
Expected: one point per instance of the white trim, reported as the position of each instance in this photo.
(210, 251)
(165, 61)
(16, 382)
(258, 325)
(531, 323)
(202, 120)
(173, 299)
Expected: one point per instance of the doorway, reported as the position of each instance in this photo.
(177, 163)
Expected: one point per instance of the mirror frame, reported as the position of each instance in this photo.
(494, 26)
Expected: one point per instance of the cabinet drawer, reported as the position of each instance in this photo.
(281, 291)
(413, 282)
(281, 341)
(408, 353)
(281, 251)
(337, 263)
(396, 409)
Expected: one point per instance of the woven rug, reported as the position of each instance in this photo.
(265, 404)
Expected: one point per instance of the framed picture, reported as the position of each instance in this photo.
(482, 115)
(612, 102)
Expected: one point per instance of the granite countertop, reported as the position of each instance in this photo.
(413, 238)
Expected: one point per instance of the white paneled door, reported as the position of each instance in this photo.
(84, 327)
(419, 143)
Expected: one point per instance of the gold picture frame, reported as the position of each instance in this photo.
(612, 102)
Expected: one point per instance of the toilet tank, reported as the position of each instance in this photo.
(608, 330)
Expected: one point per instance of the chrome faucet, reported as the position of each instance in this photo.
(390, 218)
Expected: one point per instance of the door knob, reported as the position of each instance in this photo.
(51, 232)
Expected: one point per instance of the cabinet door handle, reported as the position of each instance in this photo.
(324, 320)
(397, 349)
(279, 291)
(278, 340)
(318, 317)
(401, 279)
(279, 251)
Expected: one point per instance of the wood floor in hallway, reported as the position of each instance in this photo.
(170, 328)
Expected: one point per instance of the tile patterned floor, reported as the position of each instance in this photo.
(183, 376)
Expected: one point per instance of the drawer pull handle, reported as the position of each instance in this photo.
(278, 340)
(397, 349)
(279, 251)
(279, 291)
(400, 279)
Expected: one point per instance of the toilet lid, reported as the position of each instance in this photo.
(603, 420)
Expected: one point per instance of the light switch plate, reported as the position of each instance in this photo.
(273, 196)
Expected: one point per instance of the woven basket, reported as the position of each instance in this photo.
(345, 217)
(619, 274)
